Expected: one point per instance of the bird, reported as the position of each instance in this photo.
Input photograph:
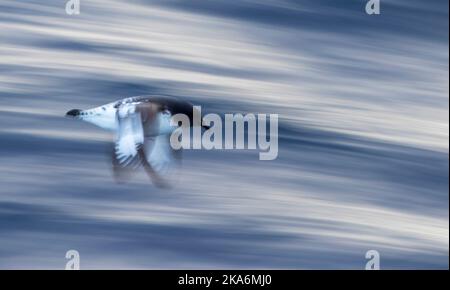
(142, 127)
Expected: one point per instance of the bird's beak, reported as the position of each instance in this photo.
(73, 113)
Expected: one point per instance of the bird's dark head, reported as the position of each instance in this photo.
(73, 113)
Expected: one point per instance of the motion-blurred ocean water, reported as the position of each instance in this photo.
(363, 158)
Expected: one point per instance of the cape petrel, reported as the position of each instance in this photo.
(142, 128)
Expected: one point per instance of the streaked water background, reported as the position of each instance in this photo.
(363, 162)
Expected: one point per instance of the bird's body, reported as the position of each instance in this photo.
(143, 127)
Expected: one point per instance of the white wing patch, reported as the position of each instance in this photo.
(130, 135)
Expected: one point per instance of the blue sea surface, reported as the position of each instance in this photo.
(363, 162)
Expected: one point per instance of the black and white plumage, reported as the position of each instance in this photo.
(142, 129)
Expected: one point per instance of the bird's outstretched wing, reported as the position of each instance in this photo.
(137, 143)
(161, 156)
(130, 135)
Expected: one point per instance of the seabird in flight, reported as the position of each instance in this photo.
(142, 128)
